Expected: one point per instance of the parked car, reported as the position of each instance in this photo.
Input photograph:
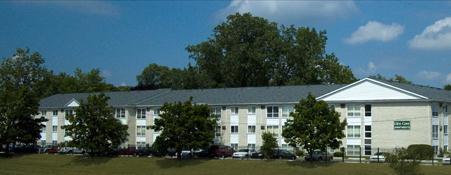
(130, 151)
(221, 151)
(446, 160)
(186, 154)
(257, 155)
(319, 155)
(243, 153)
(201, 153)
(71, 150)
(377, 157)
(283, 154)
(143, 152)
(51, 150)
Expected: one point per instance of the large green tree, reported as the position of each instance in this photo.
(269, 144)
(314, 125)
(94, 128)
(20, 77)
(251, 51)
(185, 126)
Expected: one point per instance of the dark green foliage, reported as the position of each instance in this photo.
(399, 163)
(20, 77)
(447, 87)
(184, 126)
(314, 126)
(338, 154)
(420, 152)
(269, 144)
(94, 128)
(251, 51)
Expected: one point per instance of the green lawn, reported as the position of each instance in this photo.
(64, 164)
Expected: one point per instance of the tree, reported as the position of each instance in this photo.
(400, 163)
(94, 128)
(397, 78)
(269, 144)
(251, 51)
(447, 87)
(314, 125)
(20, 76)
(185, 126)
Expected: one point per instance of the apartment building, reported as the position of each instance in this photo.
(379, 114)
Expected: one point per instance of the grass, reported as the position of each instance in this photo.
(70, 165)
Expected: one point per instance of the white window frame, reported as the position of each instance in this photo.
(216, 111)
(354, 110)
(445, 130)
(251, 146)
(353, 150)
(156, 112)
(141, 113)
(232, 130)
(274, 129)
(234, 110)
(54, 129)
(351, 131)
(286, 110)
(251, 110)
(55, 112)
(120, 112)
(250, 130)
(141, 144)
(274, 113)
(434, 132)
(141, 131)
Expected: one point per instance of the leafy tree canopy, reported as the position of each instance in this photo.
(447, 87)
(314, 125)
(94, 128)
(20, 79)
(185, 126)
(269, 144)
(397, 78)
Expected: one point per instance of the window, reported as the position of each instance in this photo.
(286, 110)
(251, 110)
(234, 146)
(445, 130)
(285, 146)
(251, 129)
(367, 110)
(43, 113)
(141, 131)
(445, 148)
(353, 110)
(274, 129)
(156, 112)
(368, 131)
(435, 148)
(353, 131)
(251, 147)
(216, 111)
(54, 129)
(218, 131)
(368, 150)
(120, 113)
(353, 150)
(434, 132)
(234, 129)
(272, 112)
(434, 111)
(54, 143)
(368, 141)
(234, 110)
(55, 112)
(141, 144)
(68, 112)
(141, 113)
(43, 129)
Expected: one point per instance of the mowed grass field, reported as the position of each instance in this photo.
(69, 165)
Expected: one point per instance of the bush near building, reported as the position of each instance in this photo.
(420, 152)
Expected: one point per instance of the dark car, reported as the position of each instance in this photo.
(221, 151)
(130, 151)
(52, 150)
(143, 152)
(283, 154)
(257, 155)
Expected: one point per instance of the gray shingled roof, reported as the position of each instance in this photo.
(435, 94)
(122, 98)
(244, 95)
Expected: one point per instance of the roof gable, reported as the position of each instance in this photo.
(73, 103)
(370, 90)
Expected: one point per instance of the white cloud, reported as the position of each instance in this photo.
(375, 31)
(102, 8)
(371, 66)
(448, 78)
(284, 11)
(369, 70)
(434, 37)
(429, 75)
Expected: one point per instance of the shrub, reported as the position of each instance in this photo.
(269, 144)
(298, 152)
(420, 152)
(399, 163)
(338, 154)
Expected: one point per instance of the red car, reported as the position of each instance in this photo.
(52, 150)
(221, 151)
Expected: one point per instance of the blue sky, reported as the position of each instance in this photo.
(121, 38)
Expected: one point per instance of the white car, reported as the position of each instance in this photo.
(377, 157)
(71, 150)
(242, 153)
(446, 161)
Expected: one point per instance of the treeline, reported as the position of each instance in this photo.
(246, 50)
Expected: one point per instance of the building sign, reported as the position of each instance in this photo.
(402, 124)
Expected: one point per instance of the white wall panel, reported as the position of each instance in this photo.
(271, 121)
(251, 120)
(353, 141)
(251, 139)
(234, 138)
(234, 120)
(141, 122)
